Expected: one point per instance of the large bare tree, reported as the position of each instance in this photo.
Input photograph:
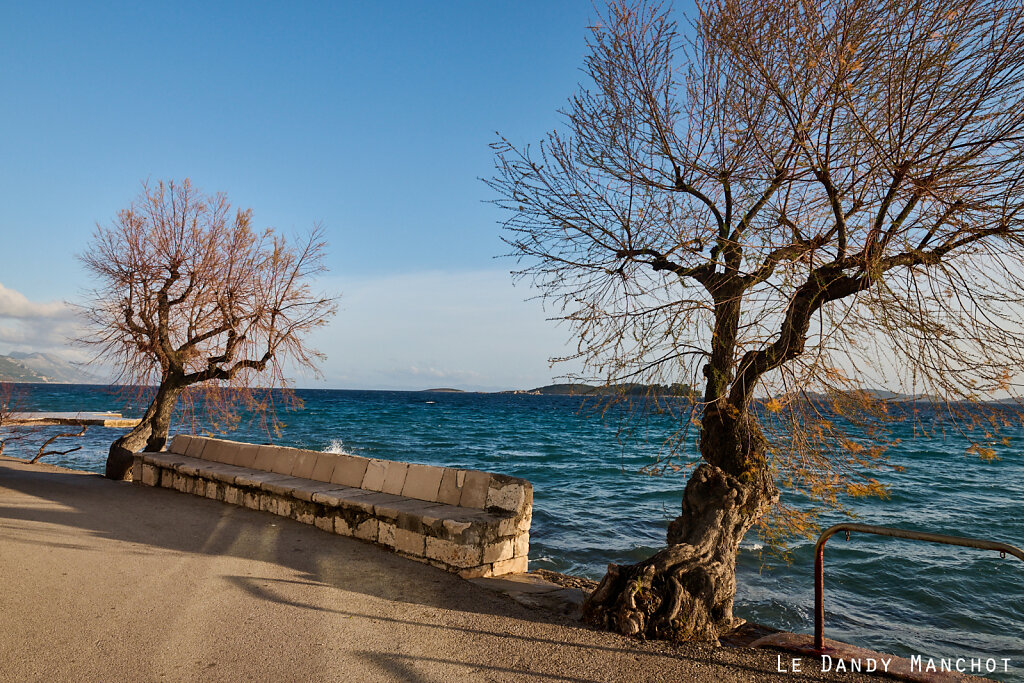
(193, 301)
(788, 202)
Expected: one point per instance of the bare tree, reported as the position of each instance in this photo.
(801, 198)
(192, 300)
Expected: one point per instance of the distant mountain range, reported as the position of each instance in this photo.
(44, 368)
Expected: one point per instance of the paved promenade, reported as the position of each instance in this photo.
(106, 581)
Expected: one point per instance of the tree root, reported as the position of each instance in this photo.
(686, 591)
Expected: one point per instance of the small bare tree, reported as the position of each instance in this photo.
(823, 193)
(195, 302)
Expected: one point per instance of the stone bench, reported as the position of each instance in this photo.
(469, 522)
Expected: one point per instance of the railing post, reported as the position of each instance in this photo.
(819, 561)
(819, 596)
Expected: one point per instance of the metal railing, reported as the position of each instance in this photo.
(819, 560)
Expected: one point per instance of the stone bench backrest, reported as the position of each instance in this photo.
(465, 488)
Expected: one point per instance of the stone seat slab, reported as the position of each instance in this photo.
(216, 470)
(257, 478)
(191, 469)
(195, 467)
(353, 498)
(176, 463)
(303, 490)
(271, 482)
(167, 459)
(392, 510)
(291, 486)
(223, 473)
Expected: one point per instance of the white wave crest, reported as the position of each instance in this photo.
(336, 446)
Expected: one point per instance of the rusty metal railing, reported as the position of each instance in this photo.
(819, 560)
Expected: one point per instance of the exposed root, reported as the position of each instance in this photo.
(686, 591)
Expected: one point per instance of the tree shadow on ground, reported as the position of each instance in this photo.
(162, 518)
(154, 521)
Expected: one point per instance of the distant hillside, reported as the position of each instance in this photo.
(563, 390)
(880, 395)
(13, 371)
(444, 390)
(612, 390)
(41, 367)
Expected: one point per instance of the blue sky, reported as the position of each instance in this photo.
(372, 118)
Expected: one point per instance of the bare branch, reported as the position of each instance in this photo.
(42, 453)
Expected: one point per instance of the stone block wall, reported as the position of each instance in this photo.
(465, 521)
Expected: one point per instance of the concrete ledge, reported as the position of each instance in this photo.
(536, 592)
(80, 419)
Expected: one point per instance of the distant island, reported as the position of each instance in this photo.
(883, 395)
(570, 389)
(627, 389)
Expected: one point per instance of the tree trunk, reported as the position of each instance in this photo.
(686, 591)
(150, 434)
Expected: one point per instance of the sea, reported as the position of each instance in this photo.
(595, 503)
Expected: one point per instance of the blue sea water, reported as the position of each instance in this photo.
(593, 506)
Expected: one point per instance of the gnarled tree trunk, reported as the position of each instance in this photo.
(150, 434)
(686, 591)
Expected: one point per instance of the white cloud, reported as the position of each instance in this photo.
(470, 330)
(36, 334)
(14, 304)
(31, 326)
